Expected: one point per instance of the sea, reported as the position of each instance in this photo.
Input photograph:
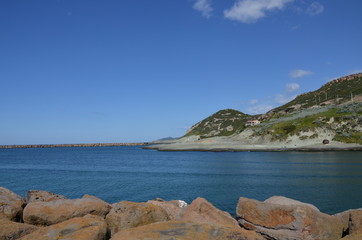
(332, 181)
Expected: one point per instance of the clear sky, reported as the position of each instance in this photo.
(83, 71)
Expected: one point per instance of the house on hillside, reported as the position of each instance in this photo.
(252, 123)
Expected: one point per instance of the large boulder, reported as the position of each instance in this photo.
(174, 208)
(352, 221)
(42, 196)
(89, 227)
(127, 214)
(201, 211)
(48, 213)
(185, 231)
(10, 230)
(11, 205)
(287, 219)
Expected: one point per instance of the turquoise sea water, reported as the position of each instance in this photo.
(332, 181)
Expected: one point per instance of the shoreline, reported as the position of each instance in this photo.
(251, 148)
(72, 145)
(174, 147)
(260, 150)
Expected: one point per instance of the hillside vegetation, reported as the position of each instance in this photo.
(344, 121)
(223, 123)
(336, 108)
(337, 91)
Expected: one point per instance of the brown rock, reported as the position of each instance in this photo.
(173, 208)
(179, 230)
(81, 228)
(201, 211)
(289, 202)
(129, 214)
(12, 230)
(95, 198)
(354, 236)
(11, 205)
(91, 196)
(352, 220)
(42, 196)
(48, 213)
(288, 220)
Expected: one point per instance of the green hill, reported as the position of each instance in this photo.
(223, 123)
(333, 103)
(334, 92)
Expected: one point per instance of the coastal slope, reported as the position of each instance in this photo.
(329, 118)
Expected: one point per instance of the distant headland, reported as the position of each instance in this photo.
(327, 119)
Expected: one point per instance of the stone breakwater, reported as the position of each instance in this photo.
(44, 215)
(74, 145)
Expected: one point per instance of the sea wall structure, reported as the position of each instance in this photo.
(74, 145)
(45, 215)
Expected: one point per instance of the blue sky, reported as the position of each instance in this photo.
(83, 71)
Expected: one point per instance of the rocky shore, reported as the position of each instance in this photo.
(241, 143)
(46, 215)
(74, 145)
(235, 147)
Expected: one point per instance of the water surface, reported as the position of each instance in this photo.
(331, 180)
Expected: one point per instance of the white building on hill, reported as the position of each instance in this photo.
(252, 123)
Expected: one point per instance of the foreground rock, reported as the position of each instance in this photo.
(81, 228)
(129, 214)
(201, 211)
(352, 221)
(48, 213)
(174, 208)
(42, 196)
(11, 205)
(185, 231)
(13, 230)
(283, 218)
(52, 216)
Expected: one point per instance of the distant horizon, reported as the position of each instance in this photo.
(138, 71)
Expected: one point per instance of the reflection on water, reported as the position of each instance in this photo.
(332, 181)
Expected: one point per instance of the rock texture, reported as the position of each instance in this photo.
(50, 216)
(288, 220)
(173, 208)
(48, 213)
(13, 230)
(129, 214)
(42, 196)
(185, 231)
(288, 202)
(11, 205)
(355, 236)
(352, 221)
(201, 211)
(81, 228)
